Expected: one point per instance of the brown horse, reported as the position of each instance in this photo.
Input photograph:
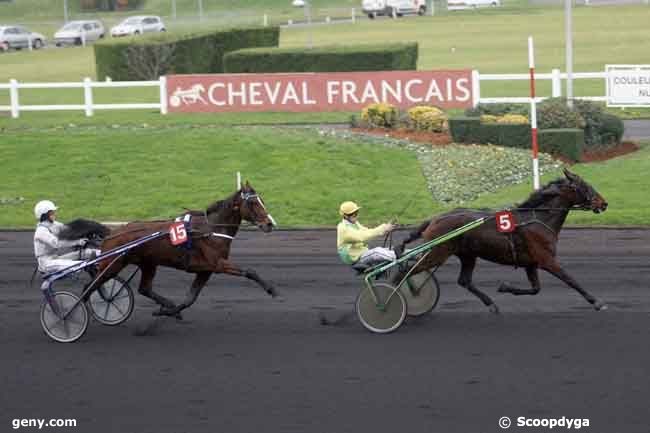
(532, 245)
(211, 234)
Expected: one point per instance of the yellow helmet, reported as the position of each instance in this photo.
(348, 207)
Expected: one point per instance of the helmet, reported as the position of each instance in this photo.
(348, 207)
(42, 207)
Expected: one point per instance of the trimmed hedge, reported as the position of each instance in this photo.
(566, 142)
(177, 54)
(380, 57)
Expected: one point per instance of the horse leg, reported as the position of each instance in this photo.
(227, 267)
(146, 289)
(533, 278)
(556, 270)
(467, 264)
(197, 285)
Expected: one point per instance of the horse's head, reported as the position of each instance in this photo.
(582, 195)
(252, 209)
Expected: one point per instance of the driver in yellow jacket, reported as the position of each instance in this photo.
(352, 238)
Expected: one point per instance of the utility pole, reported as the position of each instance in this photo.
(568, 37)
(310, 43)
(65, 11)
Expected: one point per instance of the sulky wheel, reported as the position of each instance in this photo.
(112, 303)
(68, 321)
(421, 292)
(384, 315)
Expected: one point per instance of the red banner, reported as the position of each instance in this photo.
(338, 91)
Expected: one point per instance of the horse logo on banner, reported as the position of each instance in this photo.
(190, 96)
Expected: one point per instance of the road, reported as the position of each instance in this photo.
(243, 362)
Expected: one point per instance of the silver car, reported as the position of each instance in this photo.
(18, 37)
(78, 32)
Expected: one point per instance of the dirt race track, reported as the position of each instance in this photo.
(243, 362)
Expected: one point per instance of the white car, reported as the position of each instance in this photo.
(298, 3)
(18, 37)
(75, 32)
(138, 25)
(374, 8)
(471, 4)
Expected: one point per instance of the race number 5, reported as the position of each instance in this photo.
(505, 222)
(177, 233)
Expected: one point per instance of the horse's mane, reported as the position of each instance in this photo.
(83, 228)
(540, 196)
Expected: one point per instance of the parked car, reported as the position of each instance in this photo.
(298, 3)
(137, 25)
(471, 4)
(18, 37)
(74, 32)
(374, 8)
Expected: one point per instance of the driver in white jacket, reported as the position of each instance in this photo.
(52, 253)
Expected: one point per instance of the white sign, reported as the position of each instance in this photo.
(628, 85)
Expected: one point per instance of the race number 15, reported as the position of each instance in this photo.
(505, 222)
(177, 233)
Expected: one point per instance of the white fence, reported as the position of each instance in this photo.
(89, 106)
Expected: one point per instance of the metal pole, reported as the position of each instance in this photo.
(533, 112)
(310, 43)
(174, 9)
(430, 8)
(65, 11)
(568, 35)
(200, 10)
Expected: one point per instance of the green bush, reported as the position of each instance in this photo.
(380, 57)
(464, 129)
(553, 113)
(147, 57)
(565, 142)
(611, 129)
(497, 110)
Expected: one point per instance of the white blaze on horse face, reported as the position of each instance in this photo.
(267, 212)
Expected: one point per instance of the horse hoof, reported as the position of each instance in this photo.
(600, 306)
(493, 308)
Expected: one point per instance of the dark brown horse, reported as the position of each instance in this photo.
(533, 245)
(211, 235)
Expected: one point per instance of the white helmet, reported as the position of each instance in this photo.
(42, 207)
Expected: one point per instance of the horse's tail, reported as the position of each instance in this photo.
(83, 228)
(413, 235)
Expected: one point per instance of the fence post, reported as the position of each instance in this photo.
(13, 95)
(476, 88)
(556, 83)
(83, 37)
(266, 20)
(163, 95)
(88, 97)
(29, 42)
(354, 15)
(327, 20)
(200, 10)
(173, 9)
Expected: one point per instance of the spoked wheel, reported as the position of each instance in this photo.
(421, 292)
(386, 313)
(112, 303)
(67, 321)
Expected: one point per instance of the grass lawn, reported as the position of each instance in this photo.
(145, 173)
(129, 173)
